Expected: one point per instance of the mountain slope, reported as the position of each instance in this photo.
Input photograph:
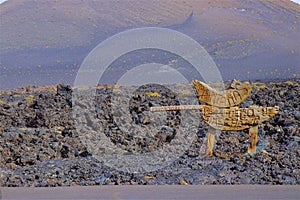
(44, 42)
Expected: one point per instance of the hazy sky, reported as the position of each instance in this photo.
(297, 1)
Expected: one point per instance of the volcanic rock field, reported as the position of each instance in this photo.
(43, 141)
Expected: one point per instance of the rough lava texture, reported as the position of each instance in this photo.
(40, 145)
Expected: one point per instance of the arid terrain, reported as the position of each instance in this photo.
(40, 145)
(43, 127)
(44, 42)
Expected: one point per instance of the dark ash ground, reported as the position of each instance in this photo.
(40, 146)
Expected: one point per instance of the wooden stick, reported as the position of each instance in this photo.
(179, 107)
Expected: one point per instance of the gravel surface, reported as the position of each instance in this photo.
(42, 145)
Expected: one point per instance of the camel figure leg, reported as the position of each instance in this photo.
(210, 142)
(253, 133)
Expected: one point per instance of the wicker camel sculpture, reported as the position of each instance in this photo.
(221, 111)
